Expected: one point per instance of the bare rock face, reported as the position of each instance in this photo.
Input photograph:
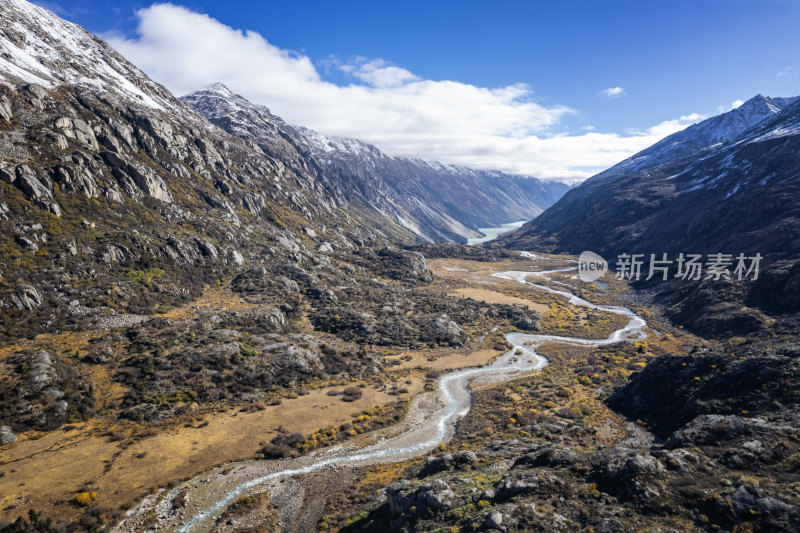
(448, 331)
(7, 436)
(77, 129)
(5, 109)
(34, 188)
(132, 176)
(26, 298)
(206, 248)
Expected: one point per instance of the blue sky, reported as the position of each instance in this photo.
(665, 60)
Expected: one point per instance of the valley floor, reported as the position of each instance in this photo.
(303, 505)
(541, 451)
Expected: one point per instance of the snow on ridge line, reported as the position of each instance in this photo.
(44, 49)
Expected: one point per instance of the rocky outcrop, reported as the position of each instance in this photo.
(463, 251)
(78, 130)
(405, 265)
(26, 298)
(40, 391)
(435, 495)
(447, 331)
(5, 109)
(631, 473)
(130, 174)
(672, 390)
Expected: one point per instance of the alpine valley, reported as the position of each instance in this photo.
(212, 320)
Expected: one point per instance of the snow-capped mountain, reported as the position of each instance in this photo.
(703, 135)
(731, 185)
(41, 48)
(434, 201)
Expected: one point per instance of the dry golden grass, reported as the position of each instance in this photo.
(40, 470)
(494, 297)
(214, 298)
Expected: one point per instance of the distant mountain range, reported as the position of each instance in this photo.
(435, 202)
(730, 184)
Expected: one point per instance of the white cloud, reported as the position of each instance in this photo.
(613, 92)
(784, 71)
(731, 107)
(496, 128)
(375, 72)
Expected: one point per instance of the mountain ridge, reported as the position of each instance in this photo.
(737, 196)
(432, 200)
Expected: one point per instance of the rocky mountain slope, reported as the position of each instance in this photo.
(435, 202)
(108, 179)
(153, 264)
(730, 184)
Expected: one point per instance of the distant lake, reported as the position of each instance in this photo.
(491, 233)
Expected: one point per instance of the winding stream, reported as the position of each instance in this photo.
(431, 419)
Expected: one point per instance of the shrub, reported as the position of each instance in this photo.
(351, 394)
(86, 499)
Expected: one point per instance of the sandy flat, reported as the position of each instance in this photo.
(494, 297)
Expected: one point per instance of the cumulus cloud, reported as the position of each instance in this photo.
(501, 128)
(613, 92)
(374, 72)
(733, 105)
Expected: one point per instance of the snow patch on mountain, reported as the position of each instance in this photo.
(700, 140)
(36, 46)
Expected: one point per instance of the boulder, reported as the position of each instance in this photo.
(236, 258)
(7, 175)
(445, 330)
(27, 244)
(6, 435)
(5, 109)
(494, 520)
(630, 474)
(34, 189)
(437, 495)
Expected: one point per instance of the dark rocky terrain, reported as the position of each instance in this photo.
(711, 444)
(160, 264)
